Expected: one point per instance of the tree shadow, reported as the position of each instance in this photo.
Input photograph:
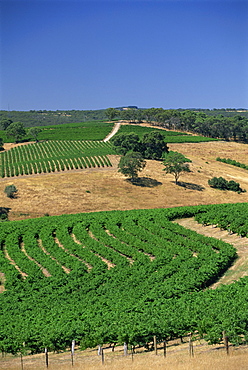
(189, 185)
(4, 211)
(145, 182)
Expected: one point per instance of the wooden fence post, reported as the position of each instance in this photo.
(125, 349)
(164, 348)
(22, 362)
(72, 351)
(102, 356)
(191, 349)
(155, 344)
(225, 339)
(46, 356)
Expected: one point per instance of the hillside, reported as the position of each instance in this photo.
(105, 188)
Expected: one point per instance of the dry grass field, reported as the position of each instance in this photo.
(103, 189)
(205, 358)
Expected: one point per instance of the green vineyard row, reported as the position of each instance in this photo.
(119, 276)
(232, 162)
(51, 156)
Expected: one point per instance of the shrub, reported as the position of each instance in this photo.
(223, 184)
(11, 191)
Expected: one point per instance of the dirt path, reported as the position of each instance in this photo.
(113, 132)
(240, 267)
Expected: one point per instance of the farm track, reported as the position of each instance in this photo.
(239, 268)
(113, 132)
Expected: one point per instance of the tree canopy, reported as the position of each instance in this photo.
(34, 132)
(151, 146)
(4, 123)
(17, 130)
(111, 113)
(175, 164)
(130, 164)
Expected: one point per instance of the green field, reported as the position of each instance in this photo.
(110, 277)
(93, 130)
(51, 156)
(170, 136)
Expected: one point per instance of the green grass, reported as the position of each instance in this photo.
(93, 130)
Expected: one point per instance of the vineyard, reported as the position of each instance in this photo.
(232, 162)
(169, 136)
(92, 130)
(51, 156)
(119, 276)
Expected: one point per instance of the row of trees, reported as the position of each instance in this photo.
(219, 126)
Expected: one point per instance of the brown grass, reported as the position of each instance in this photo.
(205, 357)
(103, 189)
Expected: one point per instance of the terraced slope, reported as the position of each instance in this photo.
(110, 277)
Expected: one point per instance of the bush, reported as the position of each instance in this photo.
(11, 191)
(223, 184)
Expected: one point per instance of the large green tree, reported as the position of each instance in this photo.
(17, 130)
(130, 164)
(5, 122)
(125, 142)
(176, 164)
(34, 132)
(153, 145)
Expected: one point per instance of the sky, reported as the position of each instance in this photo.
(89, 54)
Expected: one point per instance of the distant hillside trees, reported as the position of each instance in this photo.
(111, 113)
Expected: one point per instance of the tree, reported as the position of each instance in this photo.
(126, 142)
(34, 132)
(1, 144)
(10, 191)
(17, 130)
(153, 145)
(111, 113)
(175, 164)
(131, 163)
(5, 122)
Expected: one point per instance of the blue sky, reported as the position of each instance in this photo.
(89, 54)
